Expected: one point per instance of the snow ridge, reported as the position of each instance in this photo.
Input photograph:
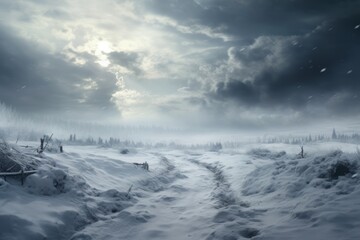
(233, 218)
(222, 192)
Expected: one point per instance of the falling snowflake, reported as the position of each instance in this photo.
(323, 70)
(357, 26)
(350, 71)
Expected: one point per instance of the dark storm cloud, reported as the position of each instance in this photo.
(293, 54)
(33, 81)
(274, 17)
(296, 55)
(244, 92)
(247, 19)
(318, 69)
(255, 56)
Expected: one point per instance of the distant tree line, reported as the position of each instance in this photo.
(117, 142)
(347, 138)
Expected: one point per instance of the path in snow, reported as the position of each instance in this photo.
(186, 199)
(234, 219)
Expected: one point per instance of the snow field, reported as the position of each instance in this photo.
(259, 192)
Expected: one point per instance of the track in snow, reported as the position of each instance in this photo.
(222, 192)
(184, 199)
(233, 219)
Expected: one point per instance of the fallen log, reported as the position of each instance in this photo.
(144, 165)
(23, 174)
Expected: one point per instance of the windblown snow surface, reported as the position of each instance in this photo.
(257, 192)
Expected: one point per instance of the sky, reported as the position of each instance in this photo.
(182, 63)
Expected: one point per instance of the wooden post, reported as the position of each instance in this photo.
(146, 166)
(22, 177)
(128, 193)
(42, 144)
(61, 149)
(48, 140)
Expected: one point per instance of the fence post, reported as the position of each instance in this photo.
(42, 144)
(146, 166)
(22, 177)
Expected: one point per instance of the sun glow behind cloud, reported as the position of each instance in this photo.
(103, 48)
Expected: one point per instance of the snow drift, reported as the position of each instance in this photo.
(267, 192)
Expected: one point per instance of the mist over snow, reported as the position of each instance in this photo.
(193, 119)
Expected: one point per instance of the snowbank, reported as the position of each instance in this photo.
(67, 193)
(260, 192)
(311, 198)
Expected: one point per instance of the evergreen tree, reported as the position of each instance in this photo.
(334, 136)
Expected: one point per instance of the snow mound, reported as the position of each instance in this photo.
(51, 180)
(266, 154)
(47, 181)
(334, 169)
(318, 193)
(14, 160)
(60, 199)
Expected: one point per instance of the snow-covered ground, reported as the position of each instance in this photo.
(258, 192)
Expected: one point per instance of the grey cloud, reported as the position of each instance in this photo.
(314, 70)
(248, 56)
(250, 19)
(33, 81)
(304, 37)
(244, 92)
(57, 14)
(129, 60)
(273, 62)
(285, 71)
